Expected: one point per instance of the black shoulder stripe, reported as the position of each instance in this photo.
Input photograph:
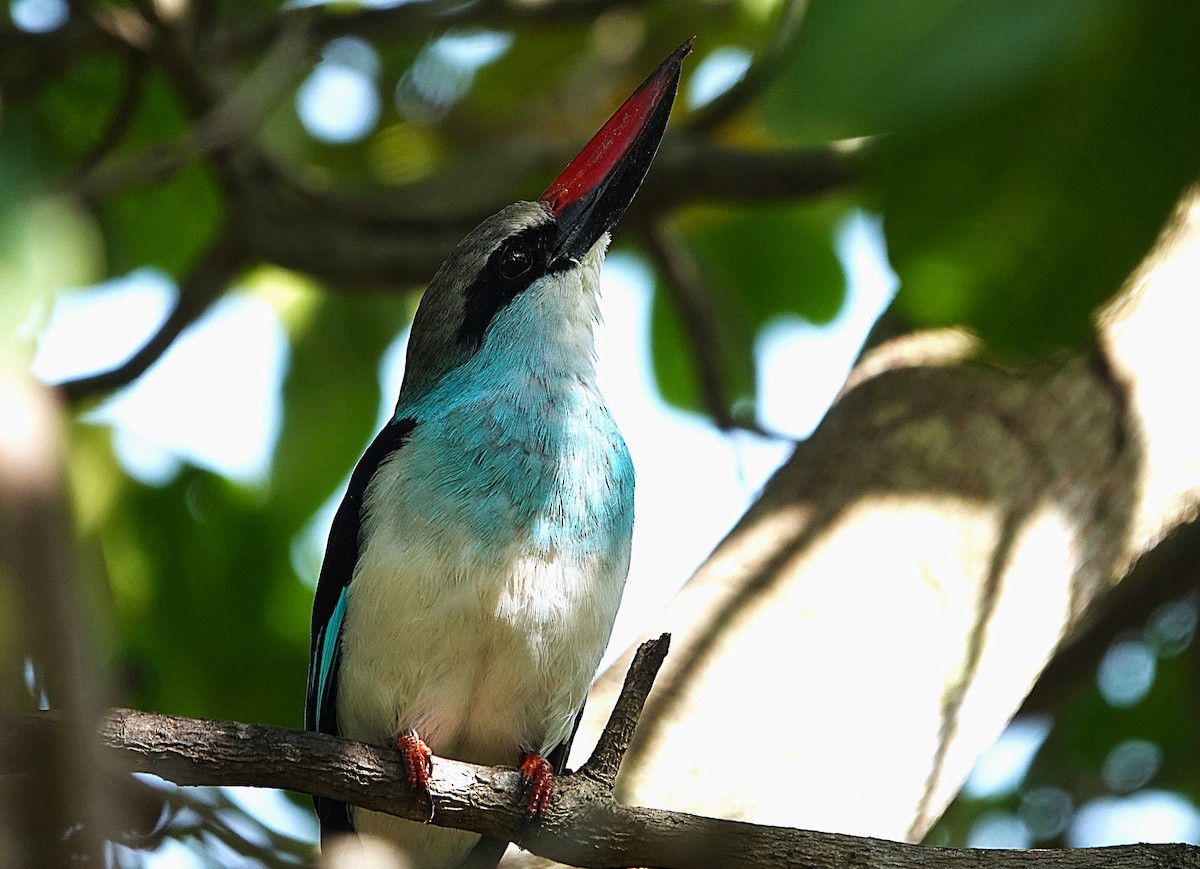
(341, 552)
(491, 291)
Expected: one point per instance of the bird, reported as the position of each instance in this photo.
(475, 564)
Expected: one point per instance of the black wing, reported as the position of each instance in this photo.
(329, 606)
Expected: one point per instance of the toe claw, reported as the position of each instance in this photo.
(538, 776)
(418, 764)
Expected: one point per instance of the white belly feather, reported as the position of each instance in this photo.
(483, 660)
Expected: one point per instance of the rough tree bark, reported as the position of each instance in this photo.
(585, 827)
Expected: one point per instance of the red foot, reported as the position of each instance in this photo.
(418, 761)
(538, 776)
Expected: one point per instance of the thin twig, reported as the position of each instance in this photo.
(137, 67)
(684, 283)
(757, 77)
(233, 120)
(605, 762)
(276, 852)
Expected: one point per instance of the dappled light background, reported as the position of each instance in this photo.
(213, 425)
(1108, 766)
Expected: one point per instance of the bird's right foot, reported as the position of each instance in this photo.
(418, 764)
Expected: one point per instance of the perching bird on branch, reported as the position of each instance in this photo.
(476, 562)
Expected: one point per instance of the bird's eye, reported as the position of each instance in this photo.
(515, 259)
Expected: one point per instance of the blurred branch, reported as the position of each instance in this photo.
(357, 241)
(692, 168)
(277, 849)
(136, 68)
(152, 810)
(30, 61)
(364, 240)
(109, 24)
(232, 120)
(41, 821)
(260, 842)
(758, 76)
(194, 89)
(407, 18)
(684, 282)
(373, 237)
(217, 266)
(92, 30)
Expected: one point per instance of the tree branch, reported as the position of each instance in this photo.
(1167, 572)
(693, 168)
(365, 240)
(585, 826)
(605, 762)
(579, 830)
(375, 238)
(193, 88)
(211, 814)
(137, 69)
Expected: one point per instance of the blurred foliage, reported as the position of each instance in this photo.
(1030, 151)
(1026, 155)
(1119, 732)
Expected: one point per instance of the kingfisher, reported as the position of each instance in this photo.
(476, 562)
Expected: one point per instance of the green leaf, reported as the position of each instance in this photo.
(772, 260)
(861, 67)
(74, 109)
(198, 571)
(1021, 219)
(164, 224)
(1033, 151)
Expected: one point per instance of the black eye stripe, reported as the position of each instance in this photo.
(515, 263)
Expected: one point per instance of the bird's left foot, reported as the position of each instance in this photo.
(418, 764)
(537, 775)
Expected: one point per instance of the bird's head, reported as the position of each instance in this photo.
(520, 269)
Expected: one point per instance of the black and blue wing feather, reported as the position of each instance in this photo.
(329, 606)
